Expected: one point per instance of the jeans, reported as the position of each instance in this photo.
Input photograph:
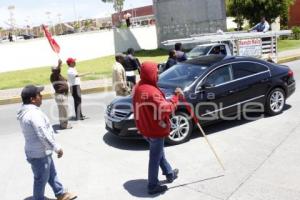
(157, 159)
(131, 81)
(44, 172)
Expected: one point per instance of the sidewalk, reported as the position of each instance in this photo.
(10, 96)
(13, 95)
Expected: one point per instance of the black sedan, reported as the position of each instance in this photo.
(215, 87)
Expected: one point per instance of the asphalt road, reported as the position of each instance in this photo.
(261, 157)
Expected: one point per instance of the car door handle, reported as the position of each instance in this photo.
(231, 91)
(264, 80)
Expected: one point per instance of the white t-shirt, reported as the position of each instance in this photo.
(72, 73)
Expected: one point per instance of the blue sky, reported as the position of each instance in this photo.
(33, 12)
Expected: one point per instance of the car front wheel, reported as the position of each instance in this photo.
(275, 101)
(181, 129)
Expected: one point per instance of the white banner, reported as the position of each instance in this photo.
(250, 47)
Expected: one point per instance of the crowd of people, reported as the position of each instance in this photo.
(40, 143)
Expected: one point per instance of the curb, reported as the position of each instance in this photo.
(109, 88)
(289, 59)
(51, 95)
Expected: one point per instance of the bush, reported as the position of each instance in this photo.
(296, 32)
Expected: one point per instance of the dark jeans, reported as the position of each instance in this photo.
(76, 93)
(157, 159)
(131, 80)
(44, 172)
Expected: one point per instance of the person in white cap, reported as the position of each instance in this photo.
(74, 81)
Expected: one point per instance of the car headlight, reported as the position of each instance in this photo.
(131, 116)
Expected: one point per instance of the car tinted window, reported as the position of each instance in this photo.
(218, 50)
(198, 51)
(219, 76)
(181, 75)
(243, 69)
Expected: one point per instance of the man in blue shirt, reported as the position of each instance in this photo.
(263, 26)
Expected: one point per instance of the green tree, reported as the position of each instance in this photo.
(253, 10)
(118, 4)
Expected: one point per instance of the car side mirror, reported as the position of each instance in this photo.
(207, 86)
(203, 87)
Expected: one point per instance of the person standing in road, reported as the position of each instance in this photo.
(61, 88)
(180, 55)
(74, 82)
(152, 117)
(10, 37)
(119, 77)
(40, 144)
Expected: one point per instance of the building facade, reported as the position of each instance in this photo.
(180, 19)
(139, 16)
(294, 18)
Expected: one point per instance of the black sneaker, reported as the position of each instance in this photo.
(171, 177)
(83, 117)
(158, 189)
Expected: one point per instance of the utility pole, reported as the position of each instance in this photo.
(48, 13)
(12, 20)
(59, 22)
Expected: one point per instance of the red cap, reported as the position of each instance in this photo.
(71, 60)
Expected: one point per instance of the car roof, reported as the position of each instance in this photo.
(206, 60)
(211, 60)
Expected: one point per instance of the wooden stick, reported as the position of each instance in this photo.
(202, 131)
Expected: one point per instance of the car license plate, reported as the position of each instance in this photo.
(109, 123)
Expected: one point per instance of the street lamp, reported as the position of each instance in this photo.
(27, 26)
(48, 13)
(11, 10)
(75, 10)
(59, 22)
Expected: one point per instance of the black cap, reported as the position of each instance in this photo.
(31, 91)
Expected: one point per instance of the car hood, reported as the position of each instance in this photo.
(125, 103)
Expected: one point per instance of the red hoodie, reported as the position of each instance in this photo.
(151, 109)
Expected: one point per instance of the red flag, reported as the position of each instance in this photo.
(55, 47)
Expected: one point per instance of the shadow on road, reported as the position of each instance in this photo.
(125, 144)
(194, 182)
(31, 198)
(142, 145)
(224, 125)
(138, 188)
(56, 128)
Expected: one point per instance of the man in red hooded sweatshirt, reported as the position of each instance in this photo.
(152, 117)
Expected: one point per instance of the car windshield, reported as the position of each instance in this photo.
(181, 75)
(199, 51)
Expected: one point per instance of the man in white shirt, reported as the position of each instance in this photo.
(40, 144)
(74, 82)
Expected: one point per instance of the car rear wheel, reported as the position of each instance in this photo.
(181, 129)
(275, 102)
